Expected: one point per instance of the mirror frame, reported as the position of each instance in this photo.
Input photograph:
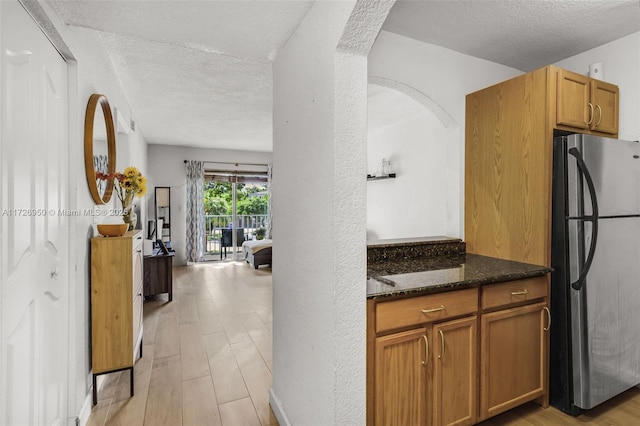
(92, 106)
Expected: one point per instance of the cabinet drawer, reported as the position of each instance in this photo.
(425, 309)
(511, 292)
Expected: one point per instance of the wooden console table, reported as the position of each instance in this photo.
(158, 276)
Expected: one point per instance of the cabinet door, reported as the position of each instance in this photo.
(573, 106)
(455, 360)
(513, 360)
(401, 371)
(136, 264)
(605, 100)
(137, 321)
(137, 284)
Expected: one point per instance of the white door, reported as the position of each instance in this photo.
(34, 275)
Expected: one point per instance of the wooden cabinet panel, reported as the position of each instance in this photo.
(455, 370)
(504, 294)
(116, 303)
(137, 319)
(605, 101)
(573, 99)
(508, 156)
(508, 159)
(424, 309)
(158, 275)
(429, 374)
(586, 104)
(513, 358)
(136, 252)
(112, 269)
(401, 386)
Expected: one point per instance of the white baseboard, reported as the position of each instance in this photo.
(278, 411)
(85, 411)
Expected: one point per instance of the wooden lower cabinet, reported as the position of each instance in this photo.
(513, 357)
(158, 275)
(116, 305)
(455, 371)
(427, 376)
(426, 366)
(401, 378)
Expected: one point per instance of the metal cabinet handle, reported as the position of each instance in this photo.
(426, 350)
(548, 318)
(519, 293)
(441, 356)
(428, 311)
(599, 115)
(590, 113)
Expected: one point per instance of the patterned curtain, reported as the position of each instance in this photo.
(269, 201)
(195, 211)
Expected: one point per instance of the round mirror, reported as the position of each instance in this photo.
(99, 148)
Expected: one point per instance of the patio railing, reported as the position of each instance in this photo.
(214, 224)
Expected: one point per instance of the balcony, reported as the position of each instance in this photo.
(214, 224)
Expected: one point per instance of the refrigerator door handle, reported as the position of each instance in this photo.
(577, 285)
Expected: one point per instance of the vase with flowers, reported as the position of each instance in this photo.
(128, 185)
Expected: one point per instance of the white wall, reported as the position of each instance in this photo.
(319, 216)
(94, 75)
(91, 73)
(167, 168)
(430, 157)
(445, 77)
(621, 65)
(418, 145)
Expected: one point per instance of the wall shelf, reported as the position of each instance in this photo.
(389, 176)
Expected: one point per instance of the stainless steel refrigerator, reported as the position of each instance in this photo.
(595, 285)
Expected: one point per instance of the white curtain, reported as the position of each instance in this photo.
(195, 211)
(269, 201)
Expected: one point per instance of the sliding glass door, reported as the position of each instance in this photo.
(236, 206)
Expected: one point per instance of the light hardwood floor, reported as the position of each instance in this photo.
(207, 361)
(623, 410)
(206, 355)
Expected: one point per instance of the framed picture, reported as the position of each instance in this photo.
(162, 247)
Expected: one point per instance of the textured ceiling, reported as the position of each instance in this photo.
(196, 73)
(522, 34)
(199, 72)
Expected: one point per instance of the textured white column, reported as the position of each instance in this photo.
(319, 234)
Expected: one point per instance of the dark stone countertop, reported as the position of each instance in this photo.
(424, 275)
(409, 248)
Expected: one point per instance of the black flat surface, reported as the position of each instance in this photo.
(443, 273)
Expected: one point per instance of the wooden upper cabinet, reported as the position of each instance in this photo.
(586, 104)
(606, 100)
(572, 100)
(509, 156)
